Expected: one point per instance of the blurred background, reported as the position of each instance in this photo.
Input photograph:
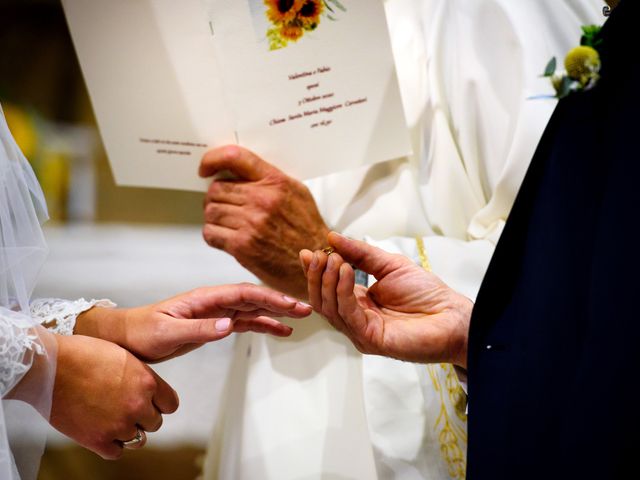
(134, 246)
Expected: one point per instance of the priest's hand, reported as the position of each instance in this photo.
(262, 217)
(409, 314)
(103, 396)
(176, 326)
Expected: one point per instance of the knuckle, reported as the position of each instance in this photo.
(247, 291)
(159, 334)
(219, 189)
(121, 428)
(149, 384)
(195, 293)
(231, 153)
(211, 191)
(211, 238)
(258, 221)
(211, 213)
(135, 406)
(400, 260)
(243, 243)
(267, 202)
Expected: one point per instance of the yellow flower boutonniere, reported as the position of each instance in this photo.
(582, 65)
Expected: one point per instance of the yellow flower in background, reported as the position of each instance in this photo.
(309, 14)
(23, 129)
(582, 64)
(282, 11)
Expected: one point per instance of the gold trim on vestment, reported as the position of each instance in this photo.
(451, 435)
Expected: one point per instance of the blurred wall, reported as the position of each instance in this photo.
(40, 75)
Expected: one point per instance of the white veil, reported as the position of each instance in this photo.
(27, 351)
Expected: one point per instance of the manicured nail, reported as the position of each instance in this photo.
(223, 324)
(289, 299)
(304, 305)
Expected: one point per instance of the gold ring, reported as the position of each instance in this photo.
(328, 250)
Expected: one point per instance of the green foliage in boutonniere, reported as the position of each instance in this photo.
(582, 65)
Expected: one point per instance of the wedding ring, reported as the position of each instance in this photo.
(135, 441)
(328, 250)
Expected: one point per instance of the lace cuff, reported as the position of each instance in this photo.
(15, 341)
(59, 316)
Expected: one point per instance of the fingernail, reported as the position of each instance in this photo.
(223, 324)
(289, 299)
(314, 262)
(304, 305)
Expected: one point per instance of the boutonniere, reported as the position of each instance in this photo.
(582, 65)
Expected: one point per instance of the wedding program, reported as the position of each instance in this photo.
(310, 86)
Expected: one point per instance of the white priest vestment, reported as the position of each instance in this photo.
(311, 407)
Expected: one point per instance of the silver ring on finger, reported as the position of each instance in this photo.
(136, 441)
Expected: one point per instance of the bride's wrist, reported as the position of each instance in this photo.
(104, 323)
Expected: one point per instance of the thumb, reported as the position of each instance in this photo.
(237, 160)
(365, 257)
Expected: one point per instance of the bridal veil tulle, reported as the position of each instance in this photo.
(27, 351)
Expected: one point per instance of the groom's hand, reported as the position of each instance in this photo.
(183, 323)
(261, 216)
(409, 314)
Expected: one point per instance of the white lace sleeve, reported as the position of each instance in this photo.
(59, 316)
(16, 340)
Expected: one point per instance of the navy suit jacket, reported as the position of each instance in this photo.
(554, 360)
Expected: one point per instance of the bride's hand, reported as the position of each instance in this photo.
(409, 314)
(183, 323)
(103, 394)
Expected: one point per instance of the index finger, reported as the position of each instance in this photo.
(246, 297)
(239, 161)
(367, 258)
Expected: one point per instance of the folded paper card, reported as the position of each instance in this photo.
(309, 85)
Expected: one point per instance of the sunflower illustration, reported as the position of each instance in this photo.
(281, 12)
(309, 14)
(291, 32)
(290, 19)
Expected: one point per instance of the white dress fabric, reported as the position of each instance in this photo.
(311, 407)
(27, 329)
